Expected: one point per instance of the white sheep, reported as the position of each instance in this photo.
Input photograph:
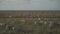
(39, 18)
(1, 24)
(50, 24)
(45, 22)
(35, 22)
(10, 16)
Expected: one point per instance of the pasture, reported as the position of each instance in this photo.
(29, 22)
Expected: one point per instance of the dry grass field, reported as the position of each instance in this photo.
(29, 22)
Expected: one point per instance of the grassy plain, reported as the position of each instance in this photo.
(27, 23)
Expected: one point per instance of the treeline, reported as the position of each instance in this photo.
(30, 17)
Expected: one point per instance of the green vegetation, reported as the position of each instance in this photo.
(27, 23)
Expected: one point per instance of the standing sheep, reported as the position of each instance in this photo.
(2, 24)
(54, 25)
(45, 22)
(10, 27)
(39, 18)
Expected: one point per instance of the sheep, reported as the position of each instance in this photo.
(40, 23)
(54, 25)
(45, 22)
(13, 28)
(10, 27)
(2, 24)
(50, 24)
(9, 16)
(39, 18)
(35, 22)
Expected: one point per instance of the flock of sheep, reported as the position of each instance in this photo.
(12, 27)
(51, 24)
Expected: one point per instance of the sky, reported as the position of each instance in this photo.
(29, 5)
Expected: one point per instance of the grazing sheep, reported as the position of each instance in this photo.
(13, 28)
(10, 27)
(54, 25)
(45, 22)
(10, 16)
(35, 22)
(39, 18)
(50, 24)
(2, 24)
(40, 22)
